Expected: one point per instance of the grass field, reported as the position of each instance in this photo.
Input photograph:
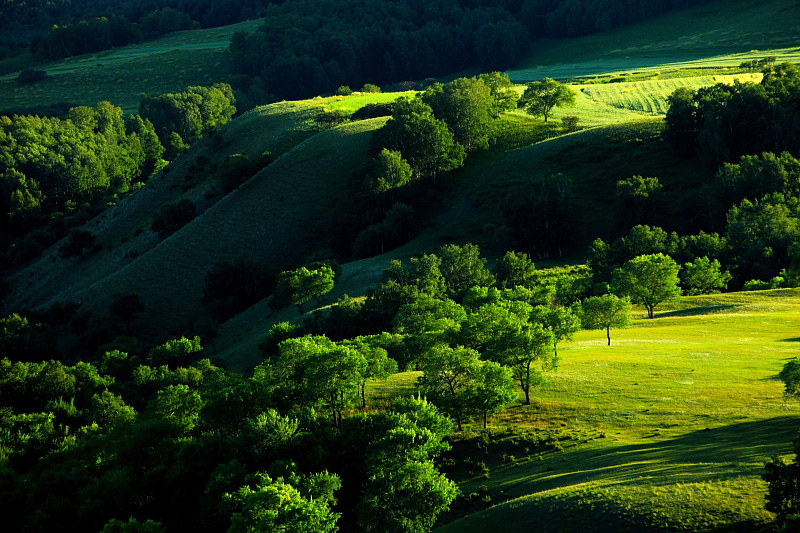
(668, 427)
(721, 33)
(166, 64)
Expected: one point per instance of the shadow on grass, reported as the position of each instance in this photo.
(694, 311)
(795, 339)
(720, 453)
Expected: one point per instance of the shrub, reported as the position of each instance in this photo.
(31, 76)
(370, 88)
(344, 90)
(173, 217)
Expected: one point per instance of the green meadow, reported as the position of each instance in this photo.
(667, 429)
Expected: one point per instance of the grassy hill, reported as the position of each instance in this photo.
(165, 64)
(667, 429)
(720, 34)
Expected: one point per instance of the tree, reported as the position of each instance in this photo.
(126, 306)
(109, 410)
(462, 268)
(514, 269)
(425, 142)
(606, 312)
(639, 198)
(649, 280)
(467, 107)
(540, 97)
(493, 389)
(389, 171)
(783, 493)
(502, 89)
(704, 276)
(561, 321)
(274, 505)
(405, 498)
(179, 405)
(379, 364)
(447, 379)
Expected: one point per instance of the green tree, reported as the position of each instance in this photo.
(513, 269)
(467, 107)
(132, 526)
(109, 410)
(448, 379)
(639, 199)
(389, 171)
(649, 280)
(561, 321)
(492, 390)
(274, 505)
(405, 498)
(790, 375)
(606, 312)
(502, 89)
(424, 141)
(462, 268)
(179, 405)
(540, 97)
(704, 276)
(379, 365)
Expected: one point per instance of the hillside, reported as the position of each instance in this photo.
(667, 429)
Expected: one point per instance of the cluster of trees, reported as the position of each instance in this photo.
(180, 119)
(426, 136)
(103, 33)
(725, 122)
(312, 47)
(177, 442)
(57, 173)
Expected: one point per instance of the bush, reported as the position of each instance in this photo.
(78, 241)
(370, 88)
(344, 90)
(570, 122)
(173, 217)
(373, 111)
(31, 76)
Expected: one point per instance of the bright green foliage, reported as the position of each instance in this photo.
(704, 276)
(178, 404)
(318, 372)
(562, 322)
(521, 349)
(279, 506)
(404, 491)
(424, 142)
(406, 499)
(277, 334)
(425, 322)
(502, 89)
(176, 352)
(515, 268)
(81, 158)
(447, 379)
(389, 171)
(649, 280)
(191, 113)
(540, 97)
(309, 284)
(493, 389)
(463, 268)
(379, 364)
(269, 430)
(466, 106)
(109, 410)
(132, 526)
(606, 312)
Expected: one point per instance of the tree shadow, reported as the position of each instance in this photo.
(795, 339)
(714, 453)
(694, 311)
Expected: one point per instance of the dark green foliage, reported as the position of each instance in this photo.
(79, 240)
(396, 228)
(172, 217)
(31, 76)
(725, 122)
(783, 494)
(514, 269)
(231, 287)
(22, 341)
(463, 268)
(373, 111)
(639, 199)
(790, 375)
(542, 217)
(126, 306)
(85, 36)
(132, 526)
(166, 20)
(277, 334)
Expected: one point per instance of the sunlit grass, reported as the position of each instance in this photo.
(672, 423)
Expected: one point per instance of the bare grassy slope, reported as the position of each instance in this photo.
(278, 216)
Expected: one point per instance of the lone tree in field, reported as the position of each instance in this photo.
(649, 280)
(542, 96)
(606, 312)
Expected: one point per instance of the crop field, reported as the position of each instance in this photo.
(667, 429)
(650, 97)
